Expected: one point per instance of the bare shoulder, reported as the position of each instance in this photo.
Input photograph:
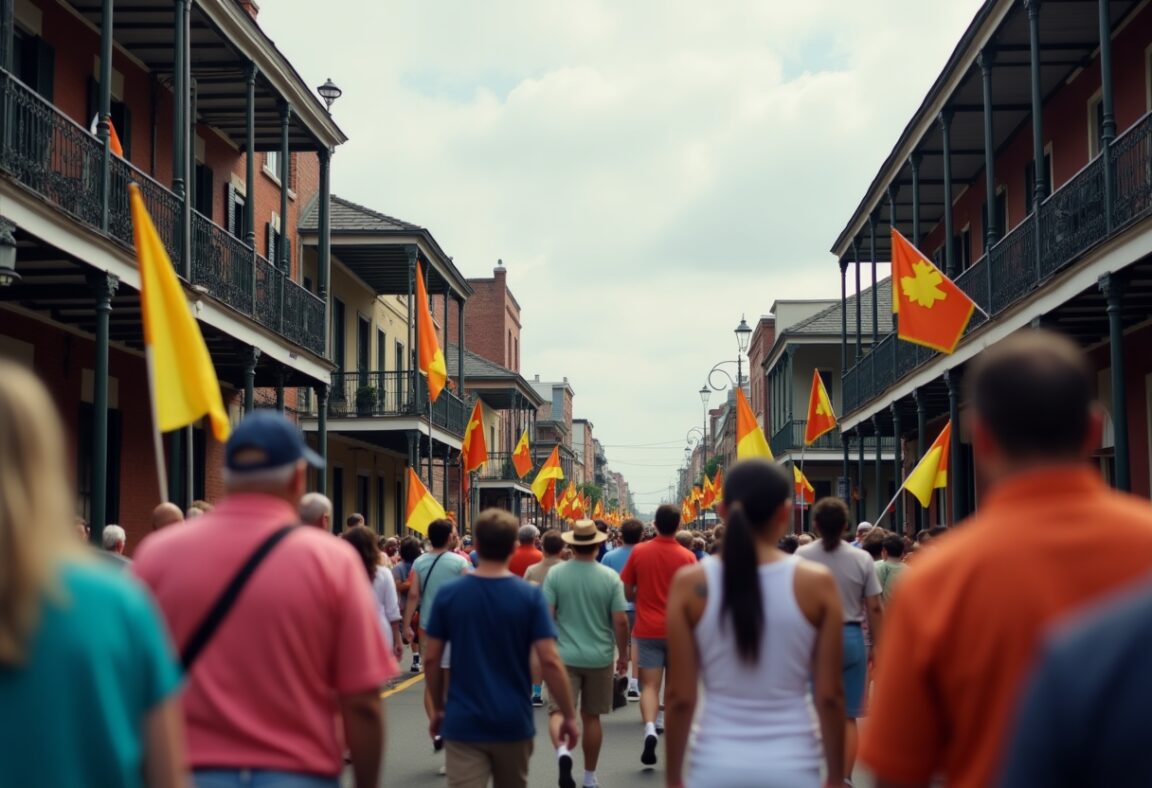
(692, 579)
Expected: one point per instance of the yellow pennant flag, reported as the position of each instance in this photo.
(931, 472)
(183, 380)
(549, 471)
(422, 507)
(750, 440)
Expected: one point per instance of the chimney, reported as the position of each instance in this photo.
(500, 274)
(249, 6)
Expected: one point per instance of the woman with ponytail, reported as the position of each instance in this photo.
(755, 627)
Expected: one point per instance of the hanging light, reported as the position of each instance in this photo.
(329, 92)
(705, 393)
(743, 334)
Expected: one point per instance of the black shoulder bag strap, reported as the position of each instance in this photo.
(227, 599)
(428, 577)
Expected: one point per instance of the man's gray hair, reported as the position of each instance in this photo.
(313, 506)
(528, 533)
(112, 536)
(279, 476)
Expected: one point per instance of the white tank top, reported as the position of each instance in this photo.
(756, 711)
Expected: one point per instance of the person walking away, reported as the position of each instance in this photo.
(410, 550)
(316, 510)
(535, 574)
(114, 541)
(88, 680)
(588, 605)
(890, 566)
(432, 571)
(647, 577)
(950, 674)
(166, 514)
(492, 620)
(383, 585)
(631, 532)
(855, 574)
(757, 627)
(527, 553)
(553, 546)
(264, 696)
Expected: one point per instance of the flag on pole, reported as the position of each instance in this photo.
(432, 363)
(931, 472)
(548, 500)
(821, 418)
(804, 489)
(182, 378)
(750, 440)
(598, 511)
(718, 484)
(566, 504)
(549, 471)
(709, 497)
(422, 507)
(579, 507)
(522, 456)
(113, 137)
(474, 450)
(933, 310)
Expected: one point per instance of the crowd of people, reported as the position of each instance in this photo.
(251, 646)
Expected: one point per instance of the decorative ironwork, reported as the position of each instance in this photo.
(499, 468)
(790, 438)
(221, 263)
(1013, 266)
(1131, 156)
(1072, 219)
(375, 394)
(974, 281)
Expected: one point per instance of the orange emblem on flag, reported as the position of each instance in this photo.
(933, 311)
(522, 456)
(821, 418)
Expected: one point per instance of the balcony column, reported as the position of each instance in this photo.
(991, 231)
(955, 474)
(789, 384)
(846, 445)
(897, 468)
(1040, 177)
(843, 316)
(875, 297)
(444, 482)
(914, 162)
(7, 34)
(892, 190)
(460, 344)
(412, 377)
(104, 287)
(250, 362)
(946, 145)
(105, 111)
(182, 144)
(322, 436)
(280, 391)
(860, 475)
(285, 172)
(1108, 110)
(324, 261)
(921, 446)
(879, 495)
(1113, 289)
(859, 317)
(179, 125)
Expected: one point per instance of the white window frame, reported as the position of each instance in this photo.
(1093, 130)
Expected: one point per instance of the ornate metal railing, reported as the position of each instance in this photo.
(500, 468)
(376, 394)
(790, 438)
(62, 163)
(1072, 221)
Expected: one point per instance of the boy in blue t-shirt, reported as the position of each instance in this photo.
(493, 621)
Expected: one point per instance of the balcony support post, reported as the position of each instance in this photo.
(859, 317)
(789, 383)
(104, 287)
(412, 377)
(181, 121)
(875, 299)
(1113, 289)
(946, 146)
(250, 362)
(1040, 176)
(1108, 110)
(921, 447)
(250, 158)
(7, 34)
(843, 316)
(285, 173)
(105, 110)
(892, 190)
(879, 495)
(846, 445)
(860, 500)
(914, 163)
(280, 392)
(956, 479)
(460, 345)
(898, 467)
(991, 231)
(322, 436)
(324, 262)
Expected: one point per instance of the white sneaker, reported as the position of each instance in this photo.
(443, 770)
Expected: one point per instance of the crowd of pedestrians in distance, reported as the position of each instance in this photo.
(242, 643)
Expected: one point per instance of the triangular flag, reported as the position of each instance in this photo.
(804, 489)
(598, 511)
(431, 358)
(821, 418)
(522, 456)
(183, 380)
(709, 498)
(548, 501)
(933, 311)
(113, 138)
(474, 450)
(423, 509)
(750, 440)
(932, 470)
(549, 471)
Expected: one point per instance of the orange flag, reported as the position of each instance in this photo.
(474, 449)
(550, 471)
(821, 418)
(548, 500)
(709, 498)
(522, 456)
(431, 358)
(933, 311)
(718, 484)
(113, 138)
(750, 440)
(423, 508)
(804, 489)
(931, 473)
(598, 511)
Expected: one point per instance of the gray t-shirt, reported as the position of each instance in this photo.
(855, 573)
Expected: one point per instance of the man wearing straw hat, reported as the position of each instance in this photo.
(587, 601)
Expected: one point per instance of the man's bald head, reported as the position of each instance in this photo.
(166, 514)
(316, 509)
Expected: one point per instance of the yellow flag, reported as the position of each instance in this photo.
(750, 440)
(184, 384)
(423, 508)
(430, 357)
(932, 471)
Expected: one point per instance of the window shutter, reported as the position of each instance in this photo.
(271, 233)
(230, 209)
(45, 69)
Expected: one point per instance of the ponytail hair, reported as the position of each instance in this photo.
(754, 491)
(830, 516)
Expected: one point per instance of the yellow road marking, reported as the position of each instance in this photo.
(403, 685)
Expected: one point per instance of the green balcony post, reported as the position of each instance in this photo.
(859, 317)
(105, 112)
(412, 338)
(846, 445)
(280, 391)
(177, 452)
(1108, 111)
(789, 382)
(955, 474)
(843, 316)
(179, 125)
(324, 263)
(285, 173)
(984, 60)
(104, 287)
(860, 501)
(946, 153)
(879, 496)
(892, 190)
(7, 34)
(914, 162)
(1040, 178)
(875, 295)
(182, 120)
(1113, 288)
(250, 158)
(897, 467)
(921, 446)
(322, 436)
(250, 362)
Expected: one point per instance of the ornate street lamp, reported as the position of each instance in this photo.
(329, 92)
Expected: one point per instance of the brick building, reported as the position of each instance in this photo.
(492, 320)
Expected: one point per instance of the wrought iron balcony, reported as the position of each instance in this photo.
(1073, 221)
(500, 468)
(383, 394)
(61, 162)
(790, 439)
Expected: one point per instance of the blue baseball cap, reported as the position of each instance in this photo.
(266, 439)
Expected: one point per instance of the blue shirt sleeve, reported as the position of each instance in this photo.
(541, 621)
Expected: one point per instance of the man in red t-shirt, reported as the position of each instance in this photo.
(527, 553)
(647, 577)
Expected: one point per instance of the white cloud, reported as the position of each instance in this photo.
(648, 170)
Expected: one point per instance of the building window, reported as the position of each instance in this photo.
(338, 335)
(962, 249)
(362, 506)
(381, 350)
(1095, 124)
(508, 352)
(337, 499)
(379, 504)
(235, 217)
(1001, 216)
(272, 164)
(1030, 176)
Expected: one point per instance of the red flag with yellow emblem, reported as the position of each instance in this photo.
(933, 311)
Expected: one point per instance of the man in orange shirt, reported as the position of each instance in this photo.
(527, 553)
(966, 623)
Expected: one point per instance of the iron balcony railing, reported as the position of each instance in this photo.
(790, 438)
(500, 468)
(1072, 221)
(61, 162)
(379, 394)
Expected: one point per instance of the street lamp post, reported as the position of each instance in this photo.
(743, 335)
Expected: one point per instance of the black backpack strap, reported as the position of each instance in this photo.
(224, 603)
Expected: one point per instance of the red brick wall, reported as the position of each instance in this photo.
(491, 317)
(763, 338)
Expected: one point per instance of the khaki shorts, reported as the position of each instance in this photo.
(473, 764)
(591, 690)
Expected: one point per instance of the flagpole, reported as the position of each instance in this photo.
(899, 490)
(157, 441)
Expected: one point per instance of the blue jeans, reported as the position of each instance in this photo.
(260, 778)
(855, 670)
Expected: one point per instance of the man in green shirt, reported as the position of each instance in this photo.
(588, 603)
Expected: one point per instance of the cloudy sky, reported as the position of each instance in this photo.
(648, 170)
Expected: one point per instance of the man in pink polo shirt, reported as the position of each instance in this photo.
(292, 673)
